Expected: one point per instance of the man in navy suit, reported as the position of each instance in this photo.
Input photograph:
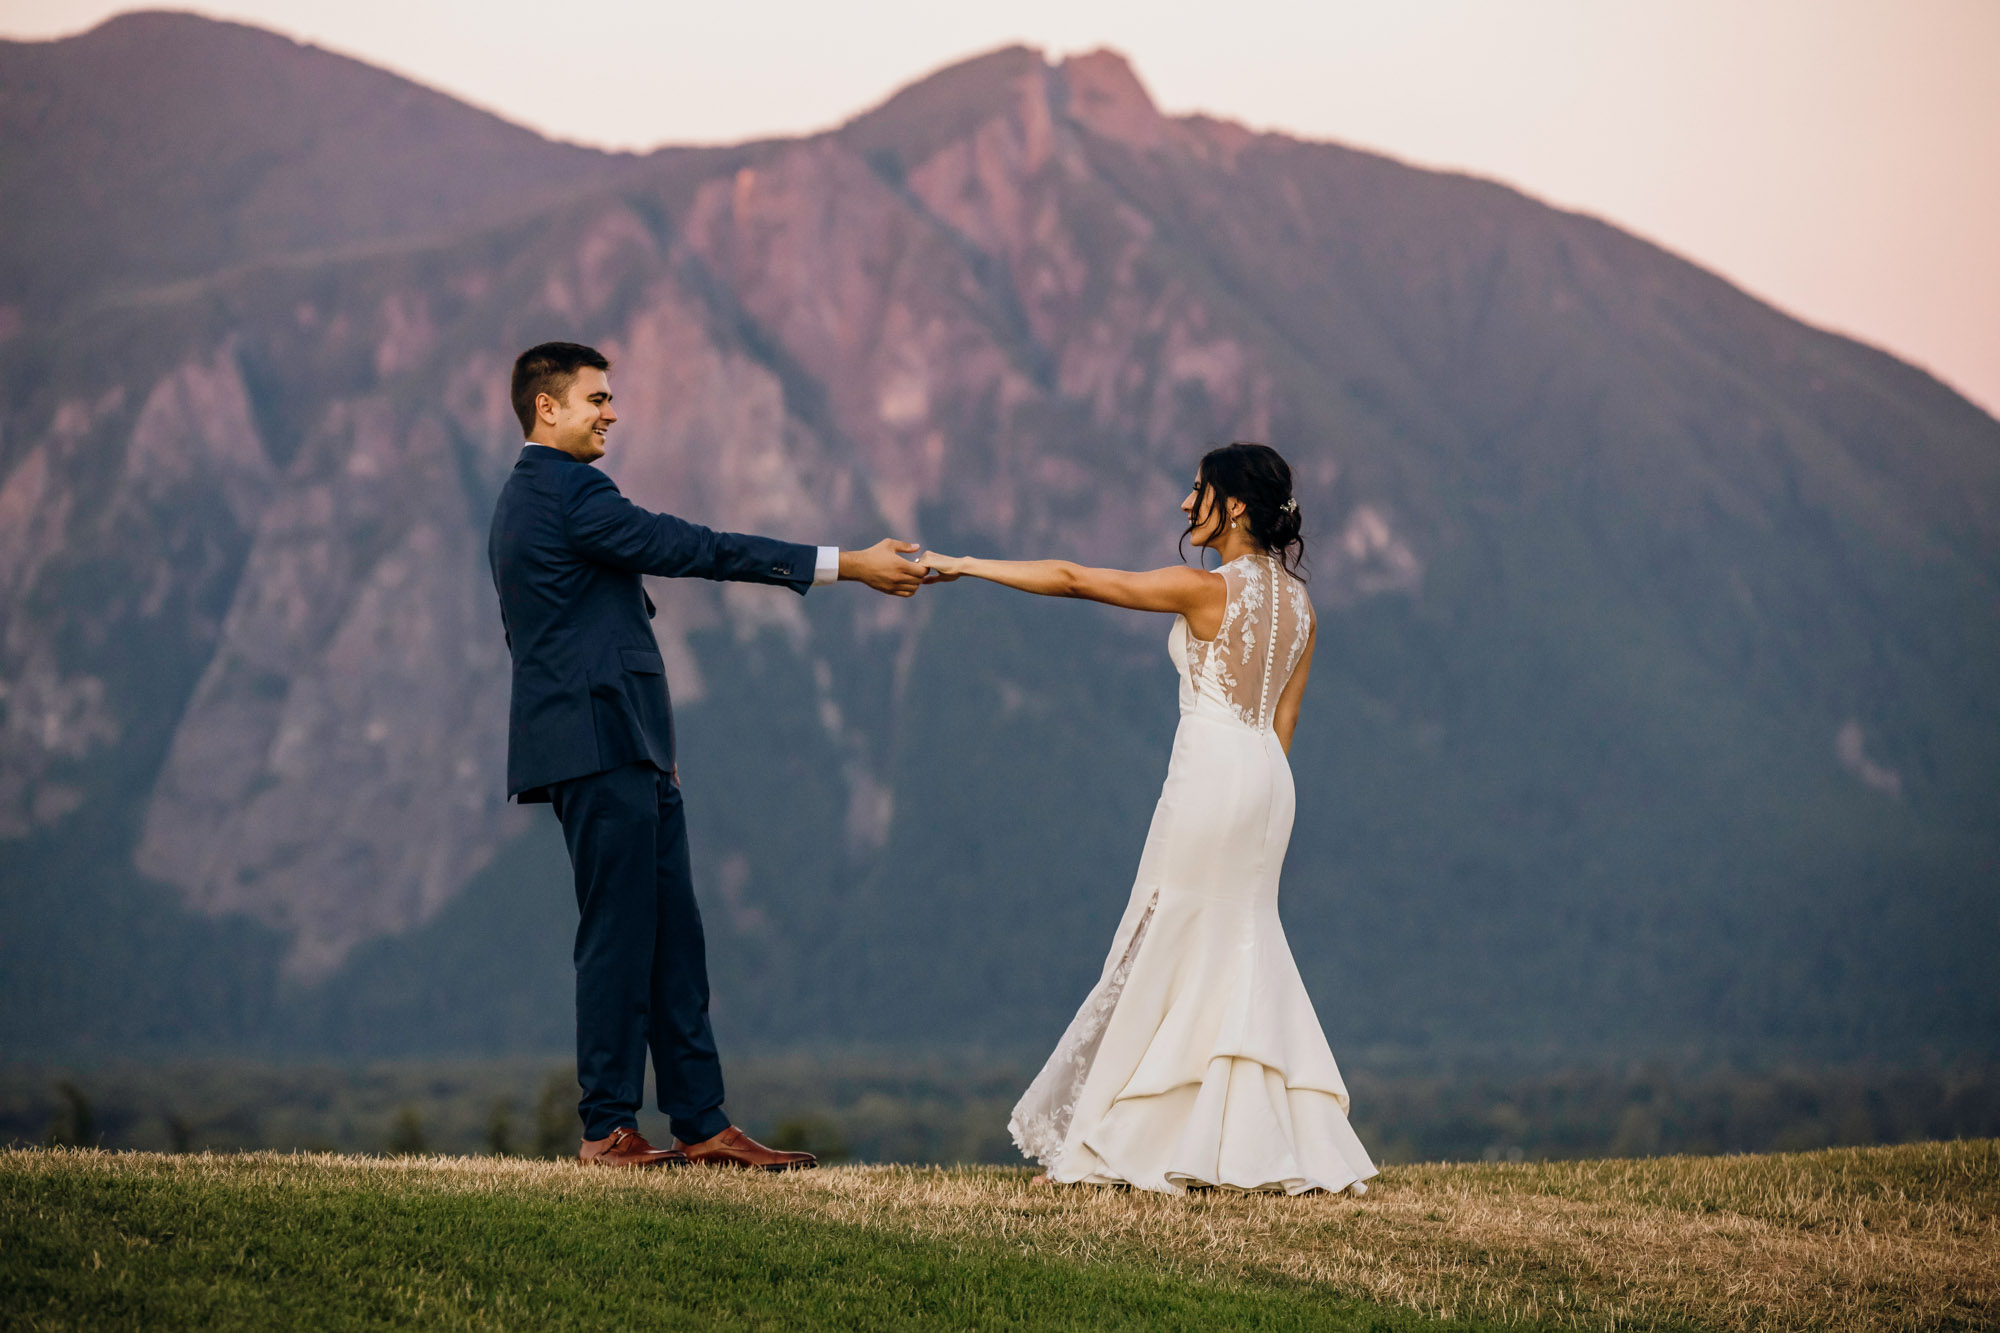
(591, 732)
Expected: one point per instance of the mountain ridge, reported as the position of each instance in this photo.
(1654, 615)
(289, 129)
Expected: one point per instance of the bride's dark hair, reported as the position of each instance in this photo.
(1257, 476)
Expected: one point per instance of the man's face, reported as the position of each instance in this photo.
(583, 415)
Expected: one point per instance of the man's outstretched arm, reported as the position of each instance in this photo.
(606, 527)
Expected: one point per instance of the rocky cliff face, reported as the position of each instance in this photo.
(1635, 590)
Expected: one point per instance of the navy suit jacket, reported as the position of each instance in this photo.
(567, 550)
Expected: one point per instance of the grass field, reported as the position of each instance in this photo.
(1870, 1238)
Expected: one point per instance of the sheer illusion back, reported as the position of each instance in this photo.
(1265, 624)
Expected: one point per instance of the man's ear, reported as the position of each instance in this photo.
(545, 408)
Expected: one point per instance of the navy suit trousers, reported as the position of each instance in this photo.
(641, 961)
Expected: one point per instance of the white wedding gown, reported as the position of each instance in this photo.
(1197, 1059)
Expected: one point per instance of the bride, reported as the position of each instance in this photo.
(1197, 1059)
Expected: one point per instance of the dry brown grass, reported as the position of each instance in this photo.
(1884, 1238)
(1874, 1238)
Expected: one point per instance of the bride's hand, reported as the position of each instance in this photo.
(943, 568)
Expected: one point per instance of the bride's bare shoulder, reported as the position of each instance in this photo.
(1208, 592)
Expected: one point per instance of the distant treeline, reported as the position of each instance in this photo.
(1651, 1110)
(946, 1109)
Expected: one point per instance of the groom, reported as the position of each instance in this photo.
(591, 733)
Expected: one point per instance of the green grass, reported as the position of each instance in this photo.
(1864, 1239)
(92, 1240)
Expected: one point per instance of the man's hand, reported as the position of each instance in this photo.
(883, 568)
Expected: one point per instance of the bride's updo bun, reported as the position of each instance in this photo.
(1258, 477)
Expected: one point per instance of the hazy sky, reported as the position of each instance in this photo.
(1838, 157)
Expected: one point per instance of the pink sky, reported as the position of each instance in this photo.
(1840, 158)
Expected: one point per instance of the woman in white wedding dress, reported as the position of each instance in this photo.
(1197, 1059)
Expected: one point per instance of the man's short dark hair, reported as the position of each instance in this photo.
(548, 368)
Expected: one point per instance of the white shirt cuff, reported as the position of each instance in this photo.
(826, 569)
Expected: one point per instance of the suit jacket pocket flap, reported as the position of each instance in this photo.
(644, 661)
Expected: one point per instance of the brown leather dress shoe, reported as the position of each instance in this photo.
(625, 1147)
(732, 1147)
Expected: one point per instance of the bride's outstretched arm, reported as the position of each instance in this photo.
(1196, 593)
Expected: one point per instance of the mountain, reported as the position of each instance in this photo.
(1652, 704)
(161, 147)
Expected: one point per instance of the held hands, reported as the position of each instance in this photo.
(883, 568)
(941, 568)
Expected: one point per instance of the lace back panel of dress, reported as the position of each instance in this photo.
(1265, 624)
